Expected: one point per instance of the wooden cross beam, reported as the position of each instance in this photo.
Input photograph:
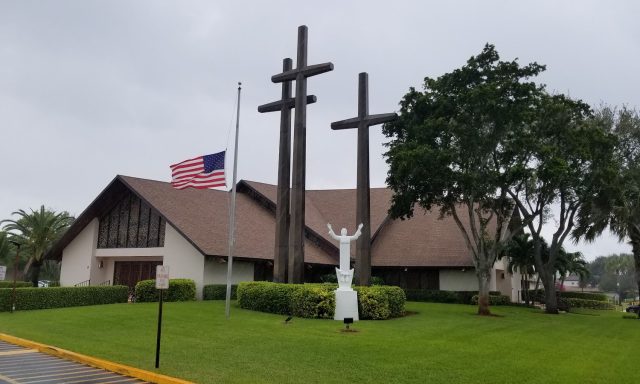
(284, 106)
(363, 206)
(296, 229)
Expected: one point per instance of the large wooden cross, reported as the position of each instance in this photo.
(284, 106)
(296, 229)
(363, 206)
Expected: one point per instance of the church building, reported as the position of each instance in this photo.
(136, 224)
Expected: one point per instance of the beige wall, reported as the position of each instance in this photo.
(457, 280)
(81, 260)
(183, 259)
(216, 273)
(77, 257)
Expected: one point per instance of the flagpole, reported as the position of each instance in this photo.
(232, 213)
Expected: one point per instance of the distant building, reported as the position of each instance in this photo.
(136, 224)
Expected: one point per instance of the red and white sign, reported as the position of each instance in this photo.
(162, 277)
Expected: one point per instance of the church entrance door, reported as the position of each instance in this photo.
(130, 272)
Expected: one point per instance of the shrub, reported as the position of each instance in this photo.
(375, 280)
(437, 296)
(590, 304)
(373, 303)
(59, 297)
(584, 296)
(597, 296)
(396, 297)
(218, 292)
(329, 278)
(19, 284)
(432, 296)
(318, 300)
(313, 302)
(494, 300)
(266, 297)
(179, 290)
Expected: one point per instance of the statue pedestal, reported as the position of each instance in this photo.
(346, 305)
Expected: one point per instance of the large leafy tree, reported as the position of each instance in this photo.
(36, 231)
(456, 148)
(618, 275)
(619, 210)
(569, 164)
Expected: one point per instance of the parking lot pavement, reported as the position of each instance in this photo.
(20, 365)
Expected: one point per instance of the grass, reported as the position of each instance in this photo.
(440, 343)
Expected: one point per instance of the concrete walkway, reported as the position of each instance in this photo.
(22, 365)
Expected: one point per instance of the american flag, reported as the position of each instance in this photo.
(201, 172)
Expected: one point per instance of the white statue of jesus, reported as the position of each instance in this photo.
(345, 273)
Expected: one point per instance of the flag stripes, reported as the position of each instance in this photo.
(200, 172)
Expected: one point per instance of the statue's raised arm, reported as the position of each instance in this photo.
(332, 234)
(358, 232)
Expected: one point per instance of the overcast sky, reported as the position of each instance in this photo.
(92, 89)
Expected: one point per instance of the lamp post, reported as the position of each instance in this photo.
(15, 273)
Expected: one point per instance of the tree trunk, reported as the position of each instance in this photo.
(484, 278)
(526, 289)
(551, 300)
(35, 273)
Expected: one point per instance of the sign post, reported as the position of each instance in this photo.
(162, 283)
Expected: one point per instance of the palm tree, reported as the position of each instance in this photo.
(520, 258)
(36, 232)
(571, 262)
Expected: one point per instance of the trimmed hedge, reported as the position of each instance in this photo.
(318, 300)
(19, 284)
(590, 304)
(494, 300)
(218, 292)
(437, 296)
(595, 296)
(179, 290)
(59, 297)
(266, 297)
(585, 296)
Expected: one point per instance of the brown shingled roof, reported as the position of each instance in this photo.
(202, 217)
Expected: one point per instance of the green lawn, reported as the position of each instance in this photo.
(441, 343)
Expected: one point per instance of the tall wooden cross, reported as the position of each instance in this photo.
(284, 106)
(299, 74)
(363, 206)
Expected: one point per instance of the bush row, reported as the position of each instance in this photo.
(333, 279)
(59, 297)
(596, 296)
(436, 296)
(218, 292)
(179, 290)
(581, 303)
(318, 300)
(19, 284)
(494, 300)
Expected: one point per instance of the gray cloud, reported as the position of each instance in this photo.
(93, 89)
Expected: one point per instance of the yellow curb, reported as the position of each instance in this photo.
(95, 362)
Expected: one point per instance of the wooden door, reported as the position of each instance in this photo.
(129, 273)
